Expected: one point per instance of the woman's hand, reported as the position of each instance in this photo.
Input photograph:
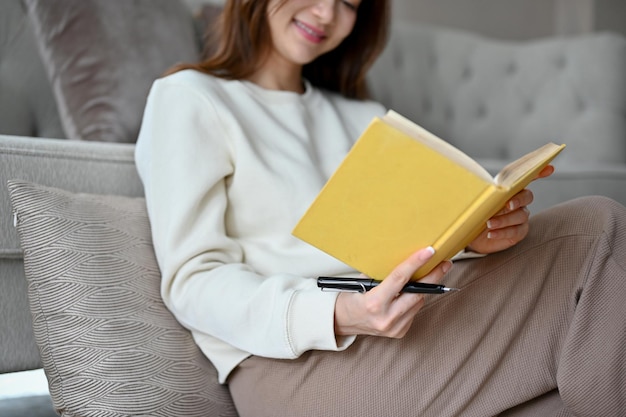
(510, 225)
(385, 310)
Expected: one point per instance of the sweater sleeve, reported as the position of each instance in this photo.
(184, 158)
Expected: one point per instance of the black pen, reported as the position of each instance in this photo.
(366, 284)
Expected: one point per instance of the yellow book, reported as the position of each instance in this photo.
(400, 189)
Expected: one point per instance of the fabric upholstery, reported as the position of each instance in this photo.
(105, 168)
(205, 17)
(27, 106)
(108, 343)
(102, 56)
(499, 100)
(18, 351)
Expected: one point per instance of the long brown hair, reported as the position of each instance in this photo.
(240, 40)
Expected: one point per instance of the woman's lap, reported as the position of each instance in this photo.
(493, 345)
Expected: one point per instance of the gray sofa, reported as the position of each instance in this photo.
(492, 99)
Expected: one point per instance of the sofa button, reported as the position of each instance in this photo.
(467, 73)
(511, 68)
(449, 113)
(432, 59)
(529, 107)
(481, 111)
(427, 105)
(398, 59)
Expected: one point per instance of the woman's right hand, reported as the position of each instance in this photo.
(385, 310)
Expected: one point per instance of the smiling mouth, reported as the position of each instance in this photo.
(308, 30)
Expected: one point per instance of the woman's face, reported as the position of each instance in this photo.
(302, 30)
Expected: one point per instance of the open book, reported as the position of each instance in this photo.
(400, 189)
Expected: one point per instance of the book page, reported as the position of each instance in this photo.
(419, 133)
(535, 160)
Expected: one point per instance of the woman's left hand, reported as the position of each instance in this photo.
(510, 225)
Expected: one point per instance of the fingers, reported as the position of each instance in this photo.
(546, 172)
(521, 199)
(401, 307)
(507, 227)
(512, 234)
(386, 310)
(513, 218)
(392, 285)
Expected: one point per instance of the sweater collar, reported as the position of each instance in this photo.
(279, 95)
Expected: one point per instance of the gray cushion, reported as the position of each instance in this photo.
(80, 166)
(102, 56)
(109, 345)
(27, 106)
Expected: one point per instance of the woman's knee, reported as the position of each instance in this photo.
(587, 215)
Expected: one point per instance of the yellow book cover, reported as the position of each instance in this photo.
(401, 188)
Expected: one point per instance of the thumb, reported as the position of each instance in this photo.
(398, 278)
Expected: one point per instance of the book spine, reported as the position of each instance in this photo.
(466, 228)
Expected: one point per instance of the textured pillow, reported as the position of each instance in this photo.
(102, 57)
(108, 344)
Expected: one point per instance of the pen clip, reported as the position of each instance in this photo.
(361, 290)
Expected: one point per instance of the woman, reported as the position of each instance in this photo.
(233, 150)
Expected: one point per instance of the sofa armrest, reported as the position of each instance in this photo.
(92, 167)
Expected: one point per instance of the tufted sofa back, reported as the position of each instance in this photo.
(493, 99)
(498, 100)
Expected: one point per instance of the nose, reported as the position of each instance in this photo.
(324, 10)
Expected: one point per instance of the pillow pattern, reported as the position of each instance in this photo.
(109, 346)
(102, 57)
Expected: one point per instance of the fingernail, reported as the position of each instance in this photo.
(427, 253)
(511, 205)
(446, 267)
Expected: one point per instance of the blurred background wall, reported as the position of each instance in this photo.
(518, 19)
(513, 19)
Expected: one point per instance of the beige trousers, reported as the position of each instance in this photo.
(537, 330)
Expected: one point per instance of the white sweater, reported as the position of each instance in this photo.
(228, 169)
